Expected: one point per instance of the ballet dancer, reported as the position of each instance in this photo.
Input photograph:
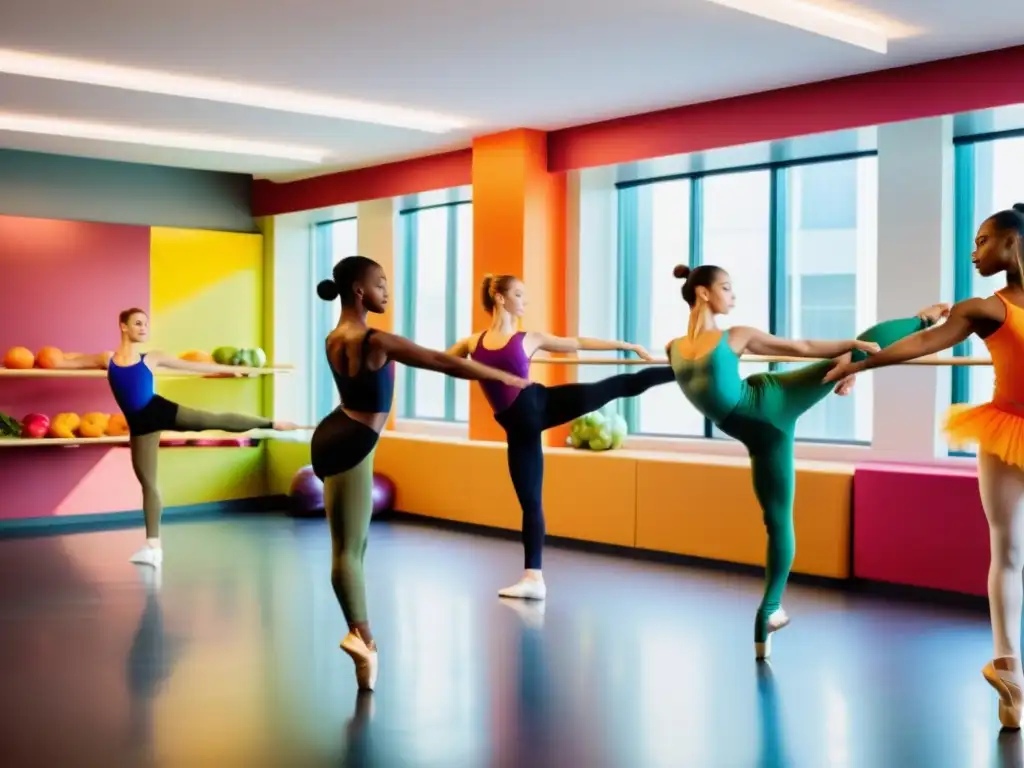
(130, 375)
(525, 414)
(761, 411)
(997, 428)
(361, 361)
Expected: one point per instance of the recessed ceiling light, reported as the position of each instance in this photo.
(169, 84)
(814, 18)
(126, 134)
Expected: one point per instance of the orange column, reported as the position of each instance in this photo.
(519, 228)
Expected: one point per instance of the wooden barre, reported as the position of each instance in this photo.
(929, 360)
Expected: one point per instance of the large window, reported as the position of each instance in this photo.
(332, 242)
(988, 176)
(799, 243)
(437, 295)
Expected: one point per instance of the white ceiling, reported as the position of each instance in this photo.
(536, 63)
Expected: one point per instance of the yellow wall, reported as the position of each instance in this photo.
(206, 291)
(698, 506)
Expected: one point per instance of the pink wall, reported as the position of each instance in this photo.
(64, 284)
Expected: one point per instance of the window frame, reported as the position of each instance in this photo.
(324, 320)
(632, 215)
(410, 261)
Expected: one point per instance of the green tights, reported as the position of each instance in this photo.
(145, 448)
(348, 500)
(765, 422)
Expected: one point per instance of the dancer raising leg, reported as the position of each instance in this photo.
(130, 375)
(998, 430)
(361, 361)
(525, 414)
(761, 411)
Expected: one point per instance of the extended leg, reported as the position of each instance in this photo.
(526, 469)
(1002, 495)
(192, 420)
(793, 393)
(348, 500)
(144, 450)
(566, 402)
(774, 478)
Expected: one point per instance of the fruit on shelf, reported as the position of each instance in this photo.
(64, 425)
(197, 356)
(117, 426)
(35, 425)
(19, 358)
(9, 426)
(224, 355)
(93, 425)
(250, 357)
(49, 357)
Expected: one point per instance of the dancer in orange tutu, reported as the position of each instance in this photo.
(998, 430)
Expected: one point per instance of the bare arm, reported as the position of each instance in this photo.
(958, 326)
(760, 343)
(460, 348)
(401, 350)
(550, 343)
(76, 361)
(164, 360)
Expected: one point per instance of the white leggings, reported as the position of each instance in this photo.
(1002, 495)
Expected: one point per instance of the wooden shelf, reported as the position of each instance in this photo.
(98, 373)
(57, 442)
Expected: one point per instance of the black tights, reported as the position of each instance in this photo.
(538, 408)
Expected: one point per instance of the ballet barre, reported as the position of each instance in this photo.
(928, 360)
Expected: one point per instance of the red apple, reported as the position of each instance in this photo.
(35, 425)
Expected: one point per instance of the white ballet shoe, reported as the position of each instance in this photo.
(1004, 674)
(365, 659)
(153, 556)
(776, 621)
(526, 589)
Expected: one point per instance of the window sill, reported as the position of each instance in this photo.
(432, 428)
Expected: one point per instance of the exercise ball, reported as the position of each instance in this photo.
(383, 494)
(306, 493)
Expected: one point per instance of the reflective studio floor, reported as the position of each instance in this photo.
(232, 660)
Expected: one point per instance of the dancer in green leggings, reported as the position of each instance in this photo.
(761, 411)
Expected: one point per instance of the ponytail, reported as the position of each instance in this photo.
(491, 287)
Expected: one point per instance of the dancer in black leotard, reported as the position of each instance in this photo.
(343, 444)
(148, 414)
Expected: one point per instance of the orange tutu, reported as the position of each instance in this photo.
(991, 428)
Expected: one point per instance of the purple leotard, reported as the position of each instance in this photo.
(511, 358)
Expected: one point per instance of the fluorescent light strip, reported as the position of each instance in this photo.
(278, 99)
(813, 18)
(125, 134)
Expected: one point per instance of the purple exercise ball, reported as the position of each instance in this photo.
(306, 493)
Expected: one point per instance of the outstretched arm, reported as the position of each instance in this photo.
(401, 350)
(550, 343)
(77, 361)
(958, 326)
(758, 342)
(164, 360)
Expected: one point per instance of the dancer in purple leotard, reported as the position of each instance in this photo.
(526, 413)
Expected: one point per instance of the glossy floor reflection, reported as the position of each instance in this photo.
(231, 659)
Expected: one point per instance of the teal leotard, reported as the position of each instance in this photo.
(761, 412)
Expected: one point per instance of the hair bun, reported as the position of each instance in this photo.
(327, 290)
(1018, 207)
(681, 271)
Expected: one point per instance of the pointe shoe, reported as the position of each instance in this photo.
(153, 556)
(1004, 675)
(526, 589)
(776, 621)
(365, 659)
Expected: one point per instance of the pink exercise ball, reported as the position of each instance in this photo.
(383, 494)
